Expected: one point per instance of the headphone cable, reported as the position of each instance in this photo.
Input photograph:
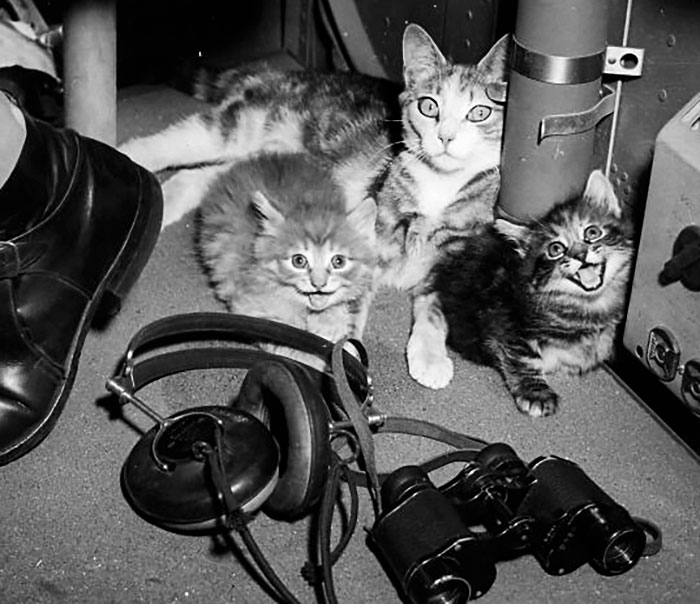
(238, 521)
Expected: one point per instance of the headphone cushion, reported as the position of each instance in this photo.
(284, 397)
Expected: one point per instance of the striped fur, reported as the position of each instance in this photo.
(428, 155)
(542, 298)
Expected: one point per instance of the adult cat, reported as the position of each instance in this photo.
(429, 155)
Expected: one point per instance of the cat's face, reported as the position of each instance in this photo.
(322, 259)
(581, 248)
(452, 113)
(322, 273)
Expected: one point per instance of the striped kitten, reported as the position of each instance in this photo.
(278, 242)
(429, 156)
(531, 300)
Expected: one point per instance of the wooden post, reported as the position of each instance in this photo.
(90, 68)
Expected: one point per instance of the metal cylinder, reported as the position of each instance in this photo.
(90, 68)
(556, 68)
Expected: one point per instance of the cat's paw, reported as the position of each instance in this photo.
(539, 401)
(429, 365)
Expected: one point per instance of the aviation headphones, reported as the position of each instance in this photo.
(273, 443)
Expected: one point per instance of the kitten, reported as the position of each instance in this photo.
(530, 300)
(278, 242)
(429, 155)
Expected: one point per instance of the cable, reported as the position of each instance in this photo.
(236, 519)
(322, 538)
(284, 594)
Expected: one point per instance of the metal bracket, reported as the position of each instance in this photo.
(623, 61)
(554, 69)
(582, 121)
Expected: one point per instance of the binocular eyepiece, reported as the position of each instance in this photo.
(442, 543)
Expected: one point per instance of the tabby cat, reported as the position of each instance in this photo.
(429, 155)
(279, 243)
(530, 300)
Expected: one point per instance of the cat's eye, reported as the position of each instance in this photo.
(299, 261)
(428, 106)
(556, 250)
(479, 113)
(338, 261)
(592, 233)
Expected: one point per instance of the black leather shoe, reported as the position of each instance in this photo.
(80, 221)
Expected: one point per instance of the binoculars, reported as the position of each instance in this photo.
(442, 544)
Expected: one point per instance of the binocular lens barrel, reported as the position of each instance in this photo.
(580, 522)
(616, 541)
(439, 581)
(423, 539)
(621, 554)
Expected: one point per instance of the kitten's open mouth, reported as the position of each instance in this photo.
(319, 300)
(589, 277)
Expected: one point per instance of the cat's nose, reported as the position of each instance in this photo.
(446, 137)
(579, 252)
(318, 279)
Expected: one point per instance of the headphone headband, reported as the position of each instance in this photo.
(134, 373)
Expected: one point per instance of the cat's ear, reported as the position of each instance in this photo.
(495, 64)
(515, 233)
(421, 56)
(270, 218)
(600, 192)
(363, 216)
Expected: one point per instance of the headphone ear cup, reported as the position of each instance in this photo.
(284, 397)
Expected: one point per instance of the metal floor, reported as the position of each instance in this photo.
(68, 536)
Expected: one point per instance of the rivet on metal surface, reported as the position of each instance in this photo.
(662, 95)
(670, 40)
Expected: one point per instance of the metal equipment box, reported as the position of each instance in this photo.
(662, 328)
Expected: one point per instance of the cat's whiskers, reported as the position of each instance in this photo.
(382, 150)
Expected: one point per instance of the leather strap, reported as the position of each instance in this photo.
(17, 257)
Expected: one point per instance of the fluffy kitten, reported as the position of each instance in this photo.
(429, 156)
(530, 300)
(279, 243)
